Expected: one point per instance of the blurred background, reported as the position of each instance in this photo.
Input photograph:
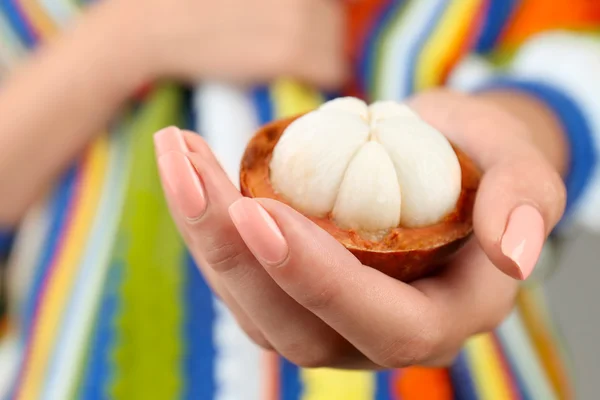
(575, 301)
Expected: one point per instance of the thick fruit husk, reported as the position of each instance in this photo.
(406, 254)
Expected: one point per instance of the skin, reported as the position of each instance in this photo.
(319, 306)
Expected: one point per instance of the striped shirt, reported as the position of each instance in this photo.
(105, 301)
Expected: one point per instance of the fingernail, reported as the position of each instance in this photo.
(183, 184)
(169, 139)
(259, 231)
(524, 238)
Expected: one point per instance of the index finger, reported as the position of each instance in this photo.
(215, 242)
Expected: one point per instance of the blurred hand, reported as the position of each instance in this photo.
(295, 289)
(242, 40)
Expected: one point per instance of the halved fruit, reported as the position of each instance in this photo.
(378, 178)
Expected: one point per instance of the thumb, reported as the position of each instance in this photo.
(521, 197)
(520, 200)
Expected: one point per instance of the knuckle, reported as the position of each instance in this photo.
(444, 361)
(401, 352)
(223, 257)
(257, 337)
(309, 356)
(321, 298)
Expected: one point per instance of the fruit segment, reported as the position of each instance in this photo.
(369, 197)
(311, 157)
(348, 104)
(381, 110)
(427, 167)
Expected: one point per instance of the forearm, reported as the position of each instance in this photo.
(54, 104)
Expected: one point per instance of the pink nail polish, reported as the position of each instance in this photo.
(524, 238)
(183, 184)
(169, 139)
(259, 231)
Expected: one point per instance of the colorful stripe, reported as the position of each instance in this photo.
(489, 377)
(364, 20)
(326, 384)
(40, 345)
(6, 241)
(450, 39)
(20, 26)
(238, 363)
(86, 291)
(62, 273)
(531, 17)
(416, 383)
(11, 48)
(28, 244)
(418, 50)
(369, 61)
(384, 385)
(508, 374)
(291, 387)
(98, 369)
(496, 17)
(56, 301)
(10, 350)
(151, 287)
(60, 208)
(199, 381)
(516, 342)
(462, 378)
(41, 23)
(390, 68)
(60, 12)
(238, 360)
(546, 341)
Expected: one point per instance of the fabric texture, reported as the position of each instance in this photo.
(107, 303)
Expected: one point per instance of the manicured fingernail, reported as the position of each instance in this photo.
(169, 139)
(524, 238)
(183, 184)
(259, 231)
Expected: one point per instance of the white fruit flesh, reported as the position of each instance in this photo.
(369, 198)
(373, 167)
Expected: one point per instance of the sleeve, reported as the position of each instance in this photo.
(6, 241)
(561, 68)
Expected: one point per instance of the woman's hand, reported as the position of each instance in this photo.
(245, 41)
(295, 289)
